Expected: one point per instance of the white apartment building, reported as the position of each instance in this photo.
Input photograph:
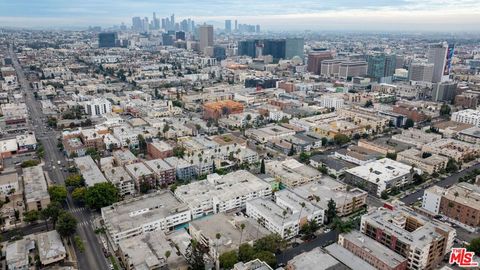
(98, 107)
(126, 136)
(219, 194)
(469, 116)
(331, 102)
(155, 211)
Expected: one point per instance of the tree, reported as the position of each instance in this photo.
(409, 123)
(29, 163)
(51, 212)
(324, 141)
(74, 180)
(341, 139)
(445, 110)
(245, 252)
(270, 243)
(78, 194)
(179, 151)
(194, 256)
(304, 157)
(167, 254)
(142, 144)
(451, 166)
(101, 195)
(228, 259)
(57, 193)
(474, 245)
(331, 210)
(292, 151)
(92, 152)
(242, 228)
(268, 257)
(31, 216)
(368, 104)
(66, 224)
(392, 156)
(262, 166)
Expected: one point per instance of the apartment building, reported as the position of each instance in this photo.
(381, 175)
(231, 234)
(156, 211)
(424, 242)
(427, 162)
(459, 203)
(347, 200)
(450, 148)
(222, 193)
(119, 177)
(468, 116)
(291, 173)
(183, 169)
(164, 173)
(372, 252)
(416, 137)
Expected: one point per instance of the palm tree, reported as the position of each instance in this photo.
(242, 227)
(217, 261)
(300, 218)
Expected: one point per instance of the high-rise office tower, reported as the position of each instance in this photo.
(275, 48)
(294, 47)
(421, 72)
(257, 28)
(206, 36)
(219, 53)
(236, 25)
(228, 26)
(180, 35)
(107, 40)
(381, 66)
(314, 61)
(247, 47)
(172, 20)
(444, 91)
(437, 55)
(136, 24)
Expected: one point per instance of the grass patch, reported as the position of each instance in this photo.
(114, 263)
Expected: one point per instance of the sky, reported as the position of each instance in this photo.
(294, 15)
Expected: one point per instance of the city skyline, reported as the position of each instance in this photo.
(406, 15)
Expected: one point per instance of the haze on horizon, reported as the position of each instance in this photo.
(368, 15)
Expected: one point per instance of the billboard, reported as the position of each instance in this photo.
(448, 60)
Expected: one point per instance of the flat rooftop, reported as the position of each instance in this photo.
(376, 249)
(35, 184)
(134, 213)
(384, 169)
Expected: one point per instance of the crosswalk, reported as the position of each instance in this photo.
(84, 223)
(77, 210)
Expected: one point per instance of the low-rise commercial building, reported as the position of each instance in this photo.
(89, 171)
(35, 188)
(50, 247)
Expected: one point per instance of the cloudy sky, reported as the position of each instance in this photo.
(409, 15)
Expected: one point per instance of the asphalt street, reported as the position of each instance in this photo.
(92, 257)
(450, 180)
(321, 241)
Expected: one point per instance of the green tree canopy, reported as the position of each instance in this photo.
(101, 195)
(78, 194)
(245, 252)
(474, 245)
(57, 193)
(331, 210)
(66, 224)
(74, 180)
(341, 139)
(228, 259)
